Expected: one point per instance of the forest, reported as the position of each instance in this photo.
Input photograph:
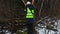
(12, 15)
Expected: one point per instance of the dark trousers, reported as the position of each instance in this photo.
(30, 27)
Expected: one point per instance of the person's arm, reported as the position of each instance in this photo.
(32, 2)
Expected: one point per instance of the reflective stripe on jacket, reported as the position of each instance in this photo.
(30, 13)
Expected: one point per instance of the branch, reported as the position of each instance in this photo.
(24, 2)
(41, 7)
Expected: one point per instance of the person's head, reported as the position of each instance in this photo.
(28, 3)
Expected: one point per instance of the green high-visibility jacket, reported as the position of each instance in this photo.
(30, 13)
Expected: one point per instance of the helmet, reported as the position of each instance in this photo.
(28, 3)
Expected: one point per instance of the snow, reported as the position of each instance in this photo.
(42, 31)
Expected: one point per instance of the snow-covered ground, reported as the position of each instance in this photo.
(41, 30)
(44, 31)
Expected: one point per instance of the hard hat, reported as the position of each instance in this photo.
(28, 3)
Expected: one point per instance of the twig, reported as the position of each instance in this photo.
(41, 7)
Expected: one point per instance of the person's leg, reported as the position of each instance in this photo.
(30, 28)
